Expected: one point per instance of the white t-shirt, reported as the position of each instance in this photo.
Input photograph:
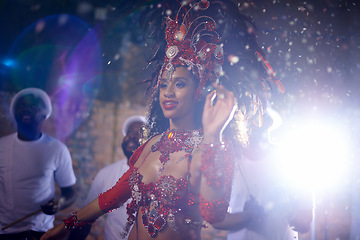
(28, 171)
(266, 185)
(104, 180)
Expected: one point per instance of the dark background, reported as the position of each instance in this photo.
(313, 46)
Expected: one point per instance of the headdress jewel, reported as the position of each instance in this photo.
(192, 41)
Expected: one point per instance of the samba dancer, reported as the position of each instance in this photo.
(182, 175)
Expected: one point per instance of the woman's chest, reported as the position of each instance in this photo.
(179, 165)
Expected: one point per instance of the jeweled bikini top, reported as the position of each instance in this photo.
(163, 199)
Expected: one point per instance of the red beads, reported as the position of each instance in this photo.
(204, 4)
(159, 223)
(175, 140)
(72, 222)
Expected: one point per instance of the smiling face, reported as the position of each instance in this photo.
(177, 98)
(29, 111)
(132, 139)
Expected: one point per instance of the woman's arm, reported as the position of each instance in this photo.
(106, 201)
(85, 215)
(216, 156)
(216, 180)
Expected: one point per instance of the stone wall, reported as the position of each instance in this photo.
(95, 144)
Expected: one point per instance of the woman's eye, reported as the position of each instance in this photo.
(163, 85)
(180, 84)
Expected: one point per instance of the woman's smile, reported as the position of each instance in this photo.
(169, 104)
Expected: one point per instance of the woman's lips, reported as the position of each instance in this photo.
(169, 105)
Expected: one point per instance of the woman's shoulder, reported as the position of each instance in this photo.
(143, 150)
(153, 140)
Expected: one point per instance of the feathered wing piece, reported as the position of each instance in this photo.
(215, 41)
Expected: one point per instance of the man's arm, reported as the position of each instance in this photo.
(232, 221)
(301, 215)
(68, 196)
(252, 214)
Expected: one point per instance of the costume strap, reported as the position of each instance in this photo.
(134, 157)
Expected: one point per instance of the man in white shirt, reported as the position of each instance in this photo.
(30, 164)
(262, 205)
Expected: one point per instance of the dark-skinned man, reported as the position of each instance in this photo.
(31, 162)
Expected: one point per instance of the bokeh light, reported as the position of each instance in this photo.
(61, 54)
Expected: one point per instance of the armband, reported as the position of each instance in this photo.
(216, 164)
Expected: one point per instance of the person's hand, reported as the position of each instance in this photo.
(301, 214)
(255, 214)
(217, 114)
(56, 233)
(52, 206)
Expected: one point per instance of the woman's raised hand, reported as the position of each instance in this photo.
(217, 114)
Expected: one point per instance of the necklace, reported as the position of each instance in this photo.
(172, 141)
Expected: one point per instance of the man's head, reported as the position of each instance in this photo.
(30, 107)
(35, 92)
(132, 134)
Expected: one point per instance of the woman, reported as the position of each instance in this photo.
(182, 175)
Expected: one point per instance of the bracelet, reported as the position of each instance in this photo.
(72, 222)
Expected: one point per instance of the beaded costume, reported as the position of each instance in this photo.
(163, 202)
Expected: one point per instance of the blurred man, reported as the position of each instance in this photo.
(108, 176)
(263, 206)
(30, 164)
